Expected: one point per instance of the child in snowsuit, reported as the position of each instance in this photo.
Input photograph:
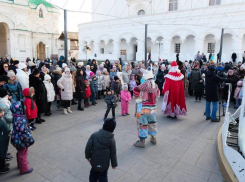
(237, 92)
(99, 152)
(4, 142)
(116, 87)
(21, 137)
(110, 100)
(30, 106)
(93, 87)
(125, 99)
(50, 93)
(199, 90)
(87, 93)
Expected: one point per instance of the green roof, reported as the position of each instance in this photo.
(45, 3)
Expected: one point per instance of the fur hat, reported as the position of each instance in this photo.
(64, 65)
(11, 74)
(47, 77)
(80, 64)
(35, 71)
(67, 69)
(109, 125)
(3, 92)
(22, 66)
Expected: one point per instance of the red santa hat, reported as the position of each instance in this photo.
(174, 67)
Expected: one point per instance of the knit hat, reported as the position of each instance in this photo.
(109, 125)
(92, 74)
(16, 62)
(3, 92)
(67, 69)
(11, 74)
(73, 69)
(230, 72)
(116, 78)
(104, 70)
(124, 86)
(80, 64)
(22, 66)
(64, 65)
(58, 68)
(35, 71)
(211, 62)
(4, 78)
(88, 66)
(47, 77)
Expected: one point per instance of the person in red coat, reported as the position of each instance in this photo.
(174, 103)
(87, 93)
(31, 107)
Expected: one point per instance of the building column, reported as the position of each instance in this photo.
(116, 50)
(140, 55)
(237, 47)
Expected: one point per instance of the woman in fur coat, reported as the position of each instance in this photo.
(80, 89)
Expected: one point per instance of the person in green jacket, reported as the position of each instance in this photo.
(4, 141)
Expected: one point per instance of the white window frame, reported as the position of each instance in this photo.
(173, 5)
(211, 47)
(214, 2)
(177, 47)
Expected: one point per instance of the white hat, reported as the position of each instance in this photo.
(47, 77)
(203, 75)
(88, 66)
(147, 74)
(22, 66)
(58, 68)
(11, 73)
(30, 63)
(80, 64)
(67, 69)
(64, 65)
(124, 86)
(104, 69)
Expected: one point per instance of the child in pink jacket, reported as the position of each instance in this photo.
(125, 99)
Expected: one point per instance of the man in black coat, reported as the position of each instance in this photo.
(234, 56)
(100, 150)
(212, 96)
(108, 65)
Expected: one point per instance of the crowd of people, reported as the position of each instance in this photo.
(28, 89)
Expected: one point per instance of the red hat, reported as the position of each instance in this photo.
(174, 64)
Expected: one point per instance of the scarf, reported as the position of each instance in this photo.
(32, 103)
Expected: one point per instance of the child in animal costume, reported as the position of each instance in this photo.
(125, 99)
(150, 92)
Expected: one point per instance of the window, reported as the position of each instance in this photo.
(173, 5)
(102, 50)
(40, 13)
(211, 47)
(141, 12)
(177, 48)
(214, 2)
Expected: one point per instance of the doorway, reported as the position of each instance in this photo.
(41, 54)
(3, 39)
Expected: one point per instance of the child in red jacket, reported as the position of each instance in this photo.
(87, 93)
(31, 107)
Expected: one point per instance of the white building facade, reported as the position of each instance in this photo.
(174, 26)
(28, 28)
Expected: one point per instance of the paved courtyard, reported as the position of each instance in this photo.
(186, 149)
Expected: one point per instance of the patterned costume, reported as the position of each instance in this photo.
(174, 103)
(149, 92)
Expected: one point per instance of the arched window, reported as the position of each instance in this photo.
(141, 12)
(40, 13)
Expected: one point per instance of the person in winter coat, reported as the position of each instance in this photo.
(107, 81)
(81, 66)
(100, 79)
(113, 73)
(212, 96)
(110, 100)
(108, 65)
(88, 71)
(116, 87)
(31, 107)
(236, 94)
(4, 68)
(94, 88)
(23, 76)
(14, 66)
(4, 143)
(57, 75)
(125, 99)
(87, 93)
(13, 87)
(94, 64)
(160, 77)
(21, 137)
(5, 105)
(199, 90)
(195, 76)
(241, 72)
(80, 89)
(67, 88)
(234, 57)
(50, 93)
(101, 150)
(125, 75)
(132, 84)
(40, 94)
(43, 67)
